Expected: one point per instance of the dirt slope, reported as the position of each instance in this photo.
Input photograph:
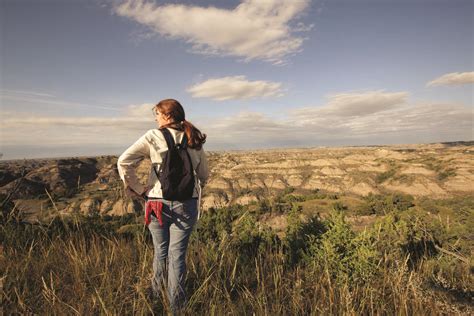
(92, 185)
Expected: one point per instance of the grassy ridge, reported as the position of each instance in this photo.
(408, 262)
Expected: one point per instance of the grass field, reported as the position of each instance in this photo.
(416, 258)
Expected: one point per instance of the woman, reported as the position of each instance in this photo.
(172, 222)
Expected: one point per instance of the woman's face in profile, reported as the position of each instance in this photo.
(161, 118)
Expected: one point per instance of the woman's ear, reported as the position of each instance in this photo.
(167, 118)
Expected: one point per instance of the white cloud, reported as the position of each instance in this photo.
(35, 98)
(250, 130)
(7, 92)
(394, 121)
(25, 129)
(356, 104)
(255, 29)
(140, 110)
(235, 88)
(454, 78)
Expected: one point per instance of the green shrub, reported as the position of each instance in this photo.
(442, 175)
(264, 206)
(408, 236)
(216, 222)
(383, 204)
(317, 194)
(300, 233)
(249, 238)
(384, 176)
(339, 206)
(347, 257)
(290, 198)
(288, 190)
(442, 171)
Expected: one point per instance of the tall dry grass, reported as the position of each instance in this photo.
(89, 268)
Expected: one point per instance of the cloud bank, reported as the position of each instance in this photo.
(25, 129)
(354, 104)
(454, 78)
(350, 118)
(254, 29)
(235, 88)
(392, 121)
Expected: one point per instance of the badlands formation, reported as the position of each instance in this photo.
(435, 170)
(35, 188)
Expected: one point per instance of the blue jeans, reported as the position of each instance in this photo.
(170, 242)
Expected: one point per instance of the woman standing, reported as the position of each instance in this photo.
(169, 221)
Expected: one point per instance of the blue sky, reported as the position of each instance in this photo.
(80, 77)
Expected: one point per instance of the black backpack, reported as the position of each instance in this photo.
(176, 173)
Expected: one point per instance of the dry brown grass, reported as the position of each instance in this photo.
(82, 269)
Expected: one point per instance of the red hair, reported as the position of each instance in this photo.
(175, 111)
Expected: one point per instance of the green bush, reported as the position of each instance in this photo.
(317, 195)
(249, 238)
(291, 198)
(300, 233)
(215, 223)
(288, 190)
(442, 175)
(408, 236)
(264, 206)
(383, 204)
(384, 176)
(349, 258)
(339, 206)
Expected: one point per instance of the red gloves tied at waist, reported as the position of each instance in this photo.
(156, 208)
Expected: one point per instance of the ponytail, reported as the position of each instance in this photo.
(195, 138)
(175, 110)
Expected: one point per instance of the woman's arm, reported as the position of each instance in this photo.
(203, 169)
(128, 162)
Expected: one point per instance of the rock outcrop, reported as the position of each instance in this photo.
(92, 185)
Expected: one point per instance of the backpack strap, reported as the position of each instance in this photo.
(168, 137)
(184, 142)
(169, 142)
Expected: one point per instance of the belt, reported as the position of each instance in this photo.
(152, 198)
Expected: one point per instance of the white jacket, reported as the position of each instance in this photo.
(152, 145)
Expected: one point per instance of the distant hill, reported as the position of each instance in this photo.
(92, 185)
